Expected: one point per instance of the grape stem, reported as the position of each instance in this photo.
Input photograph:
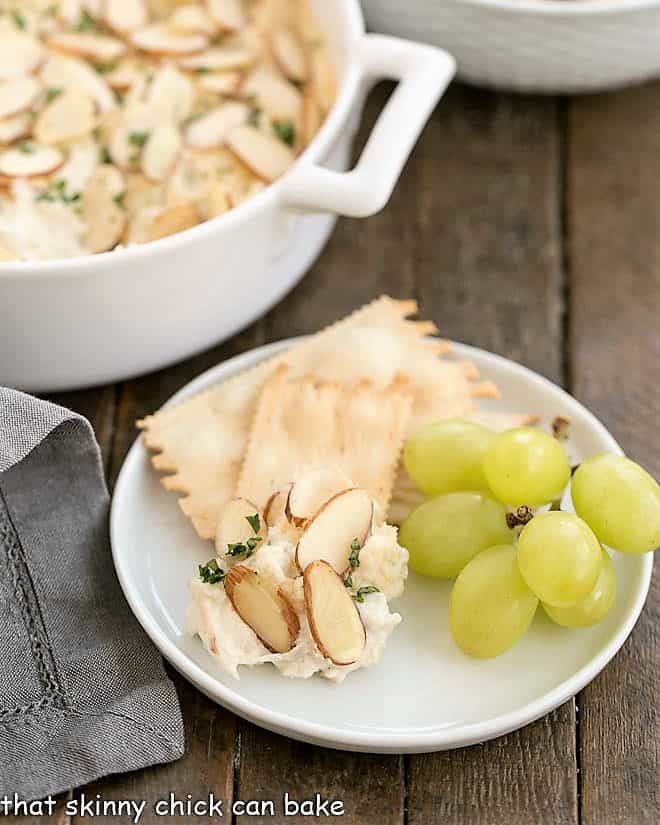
(520, 516)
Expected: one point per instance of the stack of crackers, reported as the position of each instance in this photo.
(346, 397)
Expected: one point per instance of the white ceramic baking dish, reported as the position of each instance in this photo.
(534, 45)
(85, 321)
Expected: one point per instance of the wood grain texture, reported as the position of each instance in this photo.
(613, 223)
(208, 764)
(370, 786)
(487, 251)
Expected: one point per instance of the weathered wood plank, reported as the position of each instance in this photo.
(210, 731)
(487, 253)
(363, 260)
(613, 215)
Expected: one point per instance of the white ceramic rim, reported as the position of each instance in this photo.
(563, 8)
(321, 143)
(370, 742)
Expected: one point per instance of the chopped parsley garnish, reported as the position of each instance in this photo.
(211, 572)
(104, 155)
(203, 70)
(354, 557)
(254, 522)
(285, 131)
(19, 19)
(26, 147)
(86, 23)
(519, 517)
(57, 191)
(243, 549)
(106, 68)
(192, 118)
(254, 117)
(137, 138)
(119, 199)
(52, 93)
(364, 591)
(348, 580)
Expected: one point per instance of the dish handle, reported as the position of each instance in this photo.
(423, 73)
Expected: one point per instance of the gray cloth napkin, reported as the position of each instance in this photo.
(83, 693)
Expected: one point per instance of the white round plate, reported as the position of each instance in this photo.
(424, 695)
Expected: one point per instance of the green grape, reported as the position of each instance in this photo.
(446, 456)
(490, 606)
(620, 501)
(559, 558)
(526, 466)
(444, 533)
(594, 607)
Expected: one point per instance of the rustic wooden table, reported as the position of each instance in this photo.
(530, 227)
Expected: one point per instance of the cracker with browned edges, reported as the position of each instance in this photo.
(307, 423)
(200, 443)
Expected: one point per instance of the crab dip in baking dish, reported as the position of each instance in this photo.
(125, 121)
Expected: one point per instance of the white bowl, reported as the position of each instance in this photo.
(97, 319)
(424, 695)
(534, 45)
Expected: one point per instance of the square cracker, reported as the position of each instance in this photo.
(199, 444)
(307, 423)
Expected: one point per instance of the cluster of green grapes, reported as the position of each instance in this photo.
(484, 486)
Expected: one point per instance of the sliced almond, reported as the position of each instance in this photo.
(211, 130)
(159, 39)
(125, 15)
(220, 59)
(191, 19)
(63, 72)
(333, 618)
(267, 612)
(17, 94)
(217, 202)
(323, 78)
(171, 95)
(99, 48)
(341, 521)
(312, 491)
(70, 116)
(80, 165)
(227, 14)
(15, 127)
(289, 54)
(275, 509)
(20, 54)
(7, 254)
(161, 152)
(123, 77)
(310, 120)
(273, 93)
(93, 7)
(267, 157)
(105, 219)
(124, 153)
(223, 83)
(40, 160)
(173, 219)
(69, 11)
(234, 524)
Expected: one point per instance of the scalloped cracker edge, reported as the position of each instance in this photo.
(200, 443)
